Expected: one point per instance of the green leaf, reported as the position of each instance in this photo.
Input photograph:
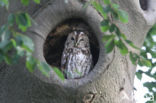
(131, 44)
(25, 2)
(7, 59)
(11, 19)
(3, 44)
(147, 63)
(3, 29)
(13, 42)
(107, 37)
(59, 73)
(4, 3)
(133, 57)
(104, 25)
(44, 68)
(144, 62)
(153, 54)
(31, 63)
(15, 58)
(112, 28)
(107, 9)
(27, 43)
(106, 2)
(152, 30)
(123, 16)
(139, 74)
(143, 53)
(123, 36)
(140, 63)
(122, 47)
(8, 47)
(5, 35)
(117, 31)
(114, 14)
(115, 6)
(104, 28)
(100, 9)
(20, 51)
(109, 45)
(148, 43)
(37, 1)
(96, 5)
(149, 85)
(23, 21)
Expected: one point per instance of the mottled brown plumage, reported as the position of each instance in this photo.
(76, 58)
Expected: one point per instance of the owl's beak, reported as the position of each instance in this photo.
(76, 44)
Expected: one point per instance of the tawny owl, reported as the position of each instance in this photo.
(76, 59)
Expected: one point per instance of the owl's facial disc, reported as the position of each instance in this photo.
(78, 39)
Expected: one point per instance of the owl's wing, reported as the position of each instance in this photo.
(64, 60)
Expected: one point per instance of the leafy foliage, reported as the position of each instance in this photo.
(14, 44)
(116, 38)
(149, 48)
(119, 40)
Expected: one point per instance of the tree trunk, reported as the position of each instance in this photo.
(110, 81)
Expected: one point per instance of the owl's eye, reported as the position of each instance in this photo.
(72, 38)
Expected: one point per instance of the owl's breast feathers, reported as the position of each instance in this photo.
(77, 62)
(77, 50)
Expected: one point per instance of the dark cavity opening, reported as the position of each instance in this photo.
(143, 4)
(54, 43)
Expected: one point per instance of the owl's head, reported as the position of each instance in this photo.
(78, 39)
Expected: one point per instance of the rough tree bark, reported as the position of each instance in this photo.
(111, 80)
